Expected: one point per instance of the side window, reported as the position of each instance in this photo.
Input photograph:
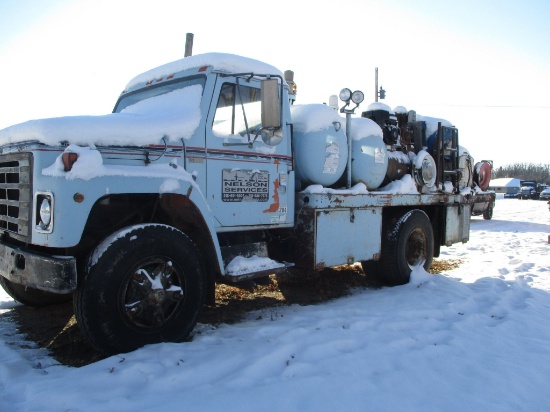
(238, 113)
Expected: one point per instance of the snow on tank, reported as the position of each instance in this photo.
(320, 144)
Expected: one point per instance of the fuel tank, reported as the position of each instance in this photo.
(369, 153)
(320, 144)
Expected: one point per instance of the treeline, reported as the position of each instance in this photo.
(524, 171)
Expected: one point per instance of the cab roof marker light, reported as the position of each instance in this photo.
(203, 69)
(68, 159)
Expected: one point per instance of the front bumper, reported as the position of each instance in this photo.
(38, 271)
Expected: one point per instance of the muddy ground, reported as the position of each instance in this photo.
(54, 327)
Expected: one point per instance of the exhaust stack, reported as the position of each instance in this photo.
(188, 45)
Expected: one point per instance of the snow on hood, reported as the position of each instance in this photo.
(90, 165)
(175, 115)
(229, 63)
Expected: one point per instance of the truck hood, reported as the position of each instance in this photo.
(174, 116)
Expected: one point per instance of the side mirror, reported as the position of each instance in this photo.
(272, 133)
(271, 116)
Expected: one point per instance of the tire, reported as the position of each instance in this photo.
(31, 296)
(407, 241)
(488, 214)
(144, 284)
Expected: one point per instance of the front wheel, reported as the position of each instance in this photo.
(408, 241)
(144, 284)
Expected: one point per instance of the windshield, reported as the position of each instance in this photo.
(157, 90)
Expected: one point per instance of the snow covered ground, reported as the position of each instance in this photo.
(476, 338)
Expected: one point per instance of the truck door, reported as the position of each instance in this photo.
(247, 180)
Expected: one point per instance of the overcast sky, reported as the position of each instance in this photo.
(484, 66)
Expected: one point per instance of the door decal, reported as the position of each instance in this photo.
(240, 185)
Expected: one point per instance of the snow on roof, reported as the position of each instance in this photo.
(504, 182)
(174, 115)
(225, 62)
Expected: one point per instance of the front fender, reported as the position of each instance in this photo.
(75, 198)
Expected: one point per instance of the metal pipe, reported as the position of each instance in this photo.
(348, 135)
(376, 84)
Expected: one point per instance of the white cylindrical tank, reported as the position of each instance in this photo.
(369, 162)
(320, 144)
(466, 167)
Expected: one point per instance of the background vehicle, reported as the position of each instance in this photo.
(545, 194)
(206, 171)
(530, 189)
(526, 192)
(484, 205)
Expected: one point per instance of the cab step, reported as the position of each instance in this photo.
(249, 261)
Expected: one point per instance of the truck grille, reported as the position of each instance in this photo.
(15, 194)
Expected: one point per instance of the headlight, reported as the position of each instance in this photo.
(43, 212)
(345, 95)
(357, 97)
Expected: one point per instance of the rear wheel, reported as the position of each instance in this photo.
(32, 297)
(143, 285)
(488, 214)
(407, 242)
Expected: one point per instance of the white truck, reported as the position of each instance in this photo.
(206, 170)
